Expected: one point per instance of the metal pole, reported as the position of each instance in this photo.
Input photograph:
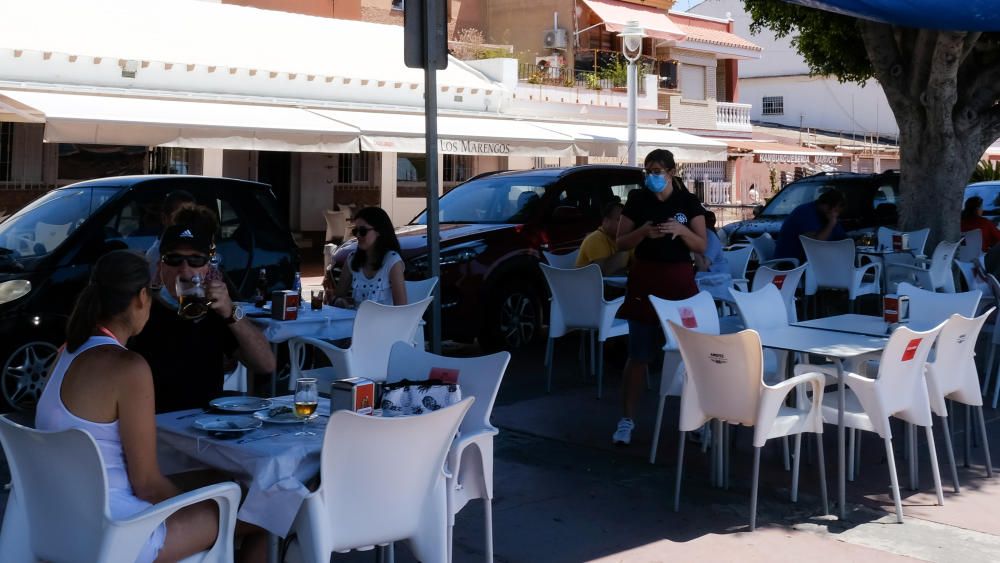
(431, 137)
(633, 80)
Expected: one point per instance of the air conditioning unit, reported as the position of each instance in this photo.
(556, 39)
(552, 61)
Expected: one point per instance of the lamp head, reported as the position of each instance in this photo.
(632, 35)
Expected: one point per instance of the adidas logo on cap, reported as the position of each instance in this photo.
(186, 234)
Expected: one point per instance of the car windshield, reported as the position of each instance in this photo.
(798, 193)
(493, 199)
(43, 225)
(990, 194)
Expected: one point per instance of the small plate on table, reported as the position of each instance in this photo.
(282, 415)
(227, 426)
(240, 404)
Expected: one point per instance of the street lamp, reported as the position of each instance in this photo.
(632, 35)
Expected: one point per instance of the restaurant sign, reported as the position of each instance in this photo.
(789, 158)
(483, 148)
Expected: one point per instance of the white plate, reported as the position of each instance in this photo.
(240, 404)
(284, 417)
(229, 424)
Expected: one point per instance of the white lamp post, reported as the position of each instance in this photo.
(632, 35)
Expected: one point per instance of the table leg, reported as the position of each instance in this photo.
(273, 544)
(841, 436)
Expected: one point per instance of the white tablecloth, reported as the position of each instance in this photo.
(274, 468)
(331, 323)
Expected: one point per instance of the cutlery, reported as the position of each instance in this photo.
(248, 440)
(189, 415)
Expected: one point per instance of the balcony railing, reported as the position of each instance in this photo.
(732, 117)
(593, 69)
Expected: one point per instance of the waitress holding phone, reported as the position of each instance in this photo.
(664, 224)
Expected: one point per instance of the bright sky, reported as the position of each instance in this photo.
(683, 5)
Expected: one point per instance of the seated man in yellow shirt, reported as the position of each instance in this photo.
(600, 248)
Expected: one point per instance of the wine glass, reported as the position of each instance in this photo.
(306, 400)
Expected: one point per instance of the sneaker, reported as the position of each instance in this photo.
(623, 435)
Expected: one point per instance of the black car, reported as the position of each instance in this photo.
(47, 249)
(493, 230)
(872, 201)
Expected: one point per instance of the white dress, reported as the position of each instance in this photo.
(376, 288)
(52, 415)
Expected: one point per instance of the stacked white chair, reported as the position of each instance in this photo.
(376, 328)
(578, 304)
(563, 261)
(725, 382)
(934, 277)
(470, 459)
(787, 281)
(381, 480)
(898, 391)
(58, 508)
(831, 266)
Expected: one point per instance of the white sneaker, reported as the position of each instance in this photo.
(623, 435)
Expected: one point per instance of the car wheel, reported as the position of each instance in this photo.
(516, 317)
(25, 373)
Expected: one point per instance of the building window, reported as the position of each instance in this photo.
(692, 82)
(668, 75)
(411, 168)
(170, 160)
(6, 151)
(354, 168)
(397, 5)
(773, 105)
(457, 168)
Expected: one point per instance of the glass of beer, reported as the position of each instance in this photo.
(193, 303)
(317, 300)
(306, 400)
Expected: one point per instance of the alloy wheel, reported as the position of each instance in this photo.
(518, 319)
(26, 372)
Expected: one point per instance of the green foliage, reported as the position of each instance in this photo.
(986, 171)
(493, 53)
(616, 72)
(593, 80)
(830, 43)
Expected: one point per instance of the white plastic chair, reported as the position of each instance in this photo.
(376, 328)
(898, 391)
(578, 304)
(236, 380)
(917, 239)
(764, 246)
(470, 459)
(562, 261)
(936, 276)
(724, 382)
(418, 291)
(970, 248)
(381, 480)
(952, 375)
(789, 282)
(697, 313)
(761, 310)
(971, 278)
(831, 266)
(58, 509)
(336, 226)
(929, 308)
(738, 260)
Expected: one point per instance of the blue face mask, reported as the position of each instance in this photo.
(656, 183)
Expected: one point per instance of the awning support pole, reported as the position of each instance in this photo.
(431, 137)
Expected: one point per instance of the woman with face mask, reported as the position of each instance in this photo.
(664, 224)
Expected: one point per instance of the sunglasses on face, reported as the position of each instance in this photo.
(175, 260)
(361, 231)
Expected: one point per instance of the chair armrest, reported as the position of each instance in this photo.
(773, 397)
(741, 284)
(483, 440)
(340, 358)
(774, 261)
(827, 369)
(875, 268)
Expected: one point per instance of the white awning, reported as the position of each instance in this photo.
(107, 120)
(612, 141)
(481, 136)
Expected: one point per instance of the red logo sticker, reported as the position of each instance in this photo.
(444, 375)
(779, 280)
(688, 319)
(911, 349)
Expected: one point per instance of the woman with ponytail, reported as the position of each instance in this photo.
(99, 386)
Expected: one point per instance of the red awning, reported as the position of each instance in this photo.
(616, 15)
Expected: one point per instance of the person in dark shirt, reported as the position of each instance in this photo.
(187, 356)
(816, 219)
(664, 223)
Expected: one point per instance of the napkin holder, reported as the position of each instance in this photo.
(355, 394)
(901, 242)
(896, 308)
(285, 305)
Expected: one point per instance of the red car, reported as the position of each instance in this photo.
(493, 231)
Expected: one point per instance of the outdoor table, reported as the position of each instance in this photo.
(869, 325)
(879, 254)
(271, 461)
(837, 346)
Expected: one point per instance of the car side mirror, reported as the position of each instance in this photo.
(567, 213)
(757, 210)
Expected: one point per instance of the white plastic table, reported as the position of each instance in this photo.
(869, 325)
(837, 346)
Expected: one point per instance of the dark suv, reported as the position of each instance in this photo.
(872, 201)
(493, 231)
(48, 247)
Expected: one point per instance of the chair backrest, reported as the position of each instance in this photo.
(900, 380)
(971, 278)
(336, 224)
(382, 479)
(787, 281)
(60, 479)
(955, 360)
(761, 309)
(695, 313)
(971, 246)
(831, 261)
(563, 261)
(577, 298)
(918, 238)
(738, 260)
(376, 328)
(940, 266)
(478, 377)
(764, 246)
(419, 290)
(929, 308)
(724, 376)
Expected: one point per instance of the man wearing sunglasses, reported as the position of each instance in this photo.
(188, 357)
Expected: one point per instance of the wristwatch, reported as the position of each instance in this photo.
(235, 316)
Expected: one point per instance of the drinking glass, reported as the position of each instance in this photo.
(306, 401)
(193, 304)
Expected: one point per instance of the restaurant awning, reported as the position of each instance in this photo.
(616, 15)
(470, 135)
(612, 141)
(781, 153)
(116, 120)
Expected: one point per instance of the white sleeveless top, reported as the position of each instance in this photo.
(376, 288)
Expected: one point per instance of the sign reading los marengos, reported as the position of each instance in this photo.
(455, 146)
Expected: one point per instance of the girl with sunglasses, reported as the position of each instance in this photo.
(374, 270)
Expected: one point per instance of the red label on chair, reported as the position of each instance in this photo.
(911, 349)
(779, 280)
(688, 319)
(444, 375)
